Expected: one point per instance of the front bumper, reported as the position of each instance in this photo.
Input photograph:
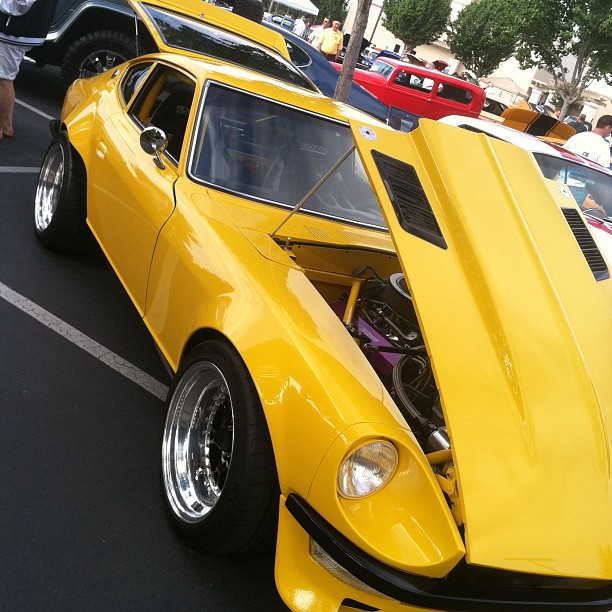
(458, 591)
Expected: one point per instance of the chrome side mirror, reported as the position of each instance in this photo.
(154, 142)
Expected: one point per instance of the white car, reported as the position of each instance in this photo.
(589, 183)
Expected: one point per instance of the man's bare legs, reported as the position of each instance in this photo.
(7, 102)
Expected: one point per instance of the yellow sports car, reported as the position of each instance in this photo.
(392, 352)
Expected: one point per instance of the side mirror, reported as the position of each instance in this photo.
(154, 142)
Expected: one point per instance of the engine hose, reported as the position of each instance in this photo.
(398, 385)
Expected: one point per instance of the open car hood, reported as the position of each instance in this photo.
(207, 13)
(503, 272)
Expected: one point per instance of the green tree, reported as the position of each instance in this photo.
(482, 36)
(416, 22)
(572, 39)
(334, 9)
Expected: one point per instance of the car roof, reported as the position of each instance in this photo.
(216, 33)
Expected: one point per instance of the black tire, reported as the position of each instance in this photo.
(94, 53)
(250, 9)
(60, 205)
(218, 470)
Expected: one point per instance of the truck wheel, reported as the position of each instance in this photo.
(94, 53)
(218, 469)
(250, 9)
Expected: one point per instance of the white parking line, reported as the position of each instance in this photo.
(19, 169)
(33, 109)
(89, 345)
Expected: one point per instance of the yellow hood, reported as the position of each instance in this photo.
(520, 336)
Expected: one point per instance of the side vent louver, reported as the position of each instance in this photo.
(587, 244)
(409, 200)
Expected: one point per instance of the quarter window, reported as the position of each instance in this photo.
(165, 101)
(132, 80)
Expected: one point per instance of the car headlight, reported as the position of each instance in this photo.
(367, 469)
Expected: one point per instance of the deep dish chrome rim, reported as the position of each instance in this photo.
(99, 61)
(198, 441)
(49, 187)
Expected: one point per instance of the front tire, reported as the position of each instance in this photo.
(218, 469)
(94, 53)
(59, 204)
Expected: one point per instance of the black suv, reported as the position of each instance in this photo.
(91, 36)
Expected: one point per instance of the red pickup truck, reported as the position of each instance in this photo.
(425, 92)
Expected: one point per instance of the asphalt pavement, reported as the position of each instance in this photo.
(82, 523)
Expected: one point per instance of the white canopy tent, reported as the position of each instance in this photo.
(303, 6)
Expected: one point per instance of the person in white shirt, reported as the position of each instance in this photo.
(302, 26)
(317, 31)
(593, 145)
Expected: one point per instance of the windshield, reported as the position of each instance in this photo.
(181, 32)
(591, 188)
(260, 149)
(382, 68)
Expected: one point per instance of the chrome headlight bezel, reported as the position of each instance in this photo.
(367, 469)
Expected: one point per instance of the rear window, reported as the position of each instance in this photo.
(181, 32)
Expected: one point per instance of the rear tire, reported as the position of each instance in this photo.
(249, 9)
(218, 469)
(94, 53)
(60, 203)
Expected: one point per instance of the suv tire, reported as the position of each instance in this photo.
(94, 53)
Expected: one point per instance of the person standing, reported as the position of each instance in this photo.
(330, 43)
(302, 26)
(579, 125)
(317, 31)
(23, 24)
(593, 145)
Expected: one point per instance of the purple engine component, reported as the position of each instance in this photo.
(382, 362)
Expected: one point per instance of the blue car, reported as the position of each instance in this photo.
(324, 76)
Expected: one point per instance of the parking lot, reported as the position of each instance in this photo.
(82, 522)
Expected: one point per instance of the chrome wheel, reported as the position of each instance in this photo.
(49, 187)
(197, 442)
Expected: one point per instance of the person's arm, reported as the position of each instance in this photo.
(321, 39)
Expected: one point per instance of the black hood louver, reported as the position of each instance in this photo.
(408, 198)
(587, 244)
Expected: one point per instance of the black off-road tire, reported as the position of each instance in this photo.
(96, 52)
(250, 9)
(218, 471)
(60, 207)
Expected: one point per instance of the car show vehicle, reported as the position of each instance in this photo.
(589, 182)
(285, 21)
(422, 91)
(391, 366)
